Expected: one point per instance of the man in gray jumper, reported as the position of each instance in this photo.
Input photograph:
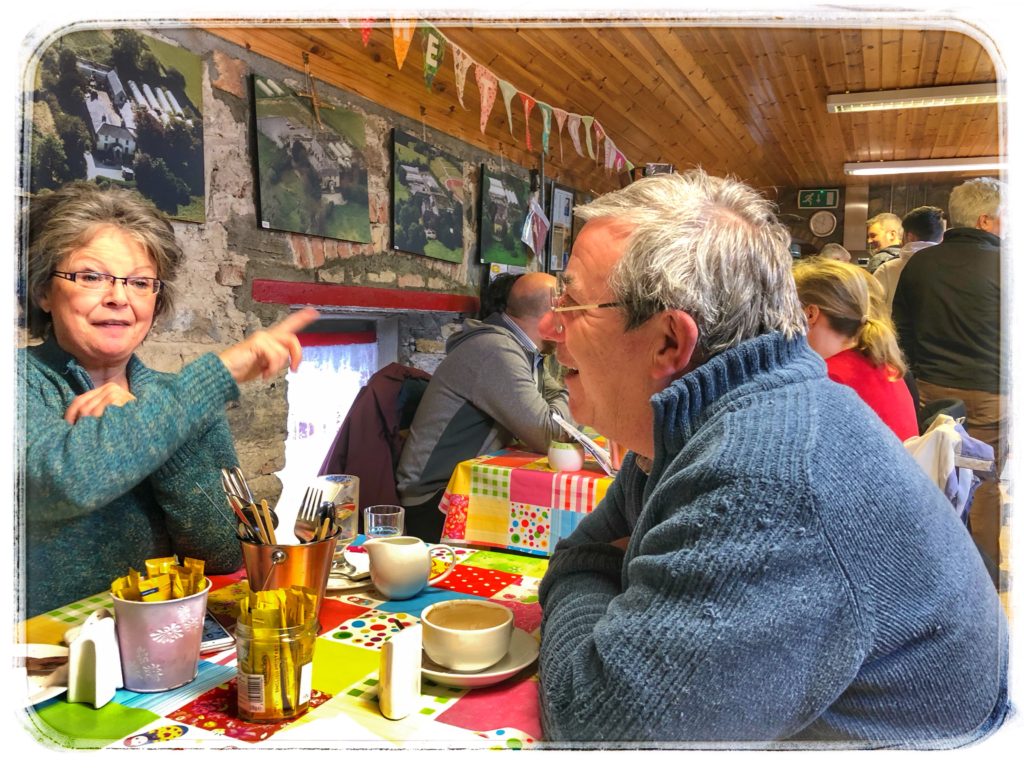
(770, 567)
(491, 389)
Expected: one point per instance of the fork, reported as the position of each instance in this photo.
(308, 519)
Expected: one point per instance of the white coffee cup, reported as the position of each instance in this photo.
(466, 635)
(565, 457)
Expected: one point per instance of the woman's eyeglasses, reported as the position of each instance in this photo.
(100, 281)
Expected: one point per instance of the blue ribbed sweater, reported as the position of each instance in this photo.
(105, 494)
(791, 575)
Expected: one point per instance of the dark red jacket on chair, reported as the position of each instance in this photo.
(369, 441)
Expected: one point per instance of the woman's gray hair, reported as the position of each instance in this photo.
(68, 218)
(712, 247)
(974, 199)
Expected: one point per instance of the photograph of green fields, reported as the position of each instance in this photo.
(120, 108)
(313, 179)
(504, 203)
(427, 189)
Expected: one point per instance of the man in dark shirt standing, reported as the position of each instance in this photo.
(947, 310)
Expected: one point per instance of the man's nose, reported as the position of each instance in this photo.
(550, 326)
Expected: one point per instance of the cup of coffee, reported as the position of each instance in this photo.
(466, 635)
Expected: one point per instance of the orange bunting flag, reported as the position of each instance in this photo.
(462, 65)
(402, 31)
(507, 92)
(488, 85)
(528, 104)
(367, 27)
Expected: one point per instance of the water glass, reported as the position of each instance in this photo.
(382, 520)
(342, 493)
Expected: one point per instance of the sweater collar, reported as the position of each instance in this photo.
(760, 363)
(54, 357)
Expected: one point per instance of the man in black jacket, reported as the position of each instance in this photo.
(947, 310)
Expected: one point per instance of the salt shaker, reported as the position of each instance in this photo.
(401, 656)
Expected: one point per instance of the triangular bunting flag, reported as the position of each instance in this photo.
(488, 85)
(560, 115)
(528, 104)
(366, 27)
(545, 112)
(433, 53)
(507, 92)
(402, 31)
(598, 136)
(586, 132)
(462, 65)
(574, 133)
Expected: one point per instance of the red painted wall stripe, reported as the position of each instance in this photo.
(336, 339)
(327, 295)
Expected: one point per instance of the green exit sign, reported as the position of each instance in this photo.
(818, 198)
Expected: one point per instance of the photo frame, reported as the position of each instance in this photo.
(427, 187)
(313, 176)
(504, 203)
(561, 200)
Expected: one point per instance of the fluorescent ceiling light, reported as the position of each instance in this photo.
(935, 165)
(915, 98)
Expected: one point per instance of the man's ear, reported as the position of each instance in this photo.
(677, 337)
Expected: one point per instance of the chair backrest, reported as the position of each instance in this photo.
(952, 407)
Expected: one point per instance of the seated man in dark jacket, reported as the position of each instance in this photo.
(490, 389)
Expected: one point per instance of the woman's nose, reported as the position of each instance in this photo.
(117, 292)
(550, 326)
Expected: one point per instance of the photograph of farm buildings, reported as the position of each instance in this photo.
(504, 202)
(428, 199)
(313, 177)
(119, 107)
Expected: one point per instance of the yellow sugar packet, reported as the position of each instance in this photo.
(155, 589)
(157, 565)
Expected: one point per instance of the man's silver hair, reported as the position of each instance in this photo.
(712, 247)
(888, 220)
(973, 199)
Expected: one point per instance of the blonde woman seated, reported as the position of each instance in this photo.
(856, 338)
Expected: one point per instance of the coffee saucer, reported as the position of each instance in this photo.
(522, 651)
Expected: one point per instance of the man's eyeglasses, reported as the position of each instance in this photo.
(100, 281)
(559, 301)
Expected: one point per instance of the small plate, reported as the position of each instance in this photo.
(522, 651)
(337, 583)
(39, 687)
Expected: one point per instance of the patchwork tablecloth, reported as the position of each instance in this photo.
(343, 712)
(514, 500)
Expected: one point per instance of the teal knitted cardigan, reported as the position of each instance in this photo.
(791, 575)
(107, 493)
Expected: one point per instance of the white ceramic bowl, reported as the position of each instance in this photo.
(466, 635)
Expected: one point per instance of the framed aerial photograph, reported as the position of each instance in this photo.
(312, 175)
(560, 235)
(504, 203)
(121, 108)
(427, 187)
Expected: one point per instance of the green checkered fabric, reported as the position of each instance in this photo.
(79, 611)
(490, 481)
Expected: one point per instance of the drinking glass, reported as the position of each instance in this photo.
(382, 520)
(341, 492)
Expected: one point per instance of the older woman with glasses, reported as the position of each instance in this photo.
(119, 459)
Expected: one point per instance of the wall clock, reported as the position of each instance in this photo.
(823, 223)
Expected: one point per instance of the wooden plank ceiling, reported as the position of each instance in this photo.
(742, 100)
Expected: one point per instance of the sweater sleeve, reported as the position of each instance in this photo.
(503, 387)
(731, 623)
(184, 487)
(71, 470)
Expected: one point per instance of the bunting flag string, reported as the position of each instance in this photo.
(462, 65)
(402, 31)
(434, 45)
(507, 92)
(545, 112)
(433, 53)
(574, 132)
(488, 85)
(528, 104)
